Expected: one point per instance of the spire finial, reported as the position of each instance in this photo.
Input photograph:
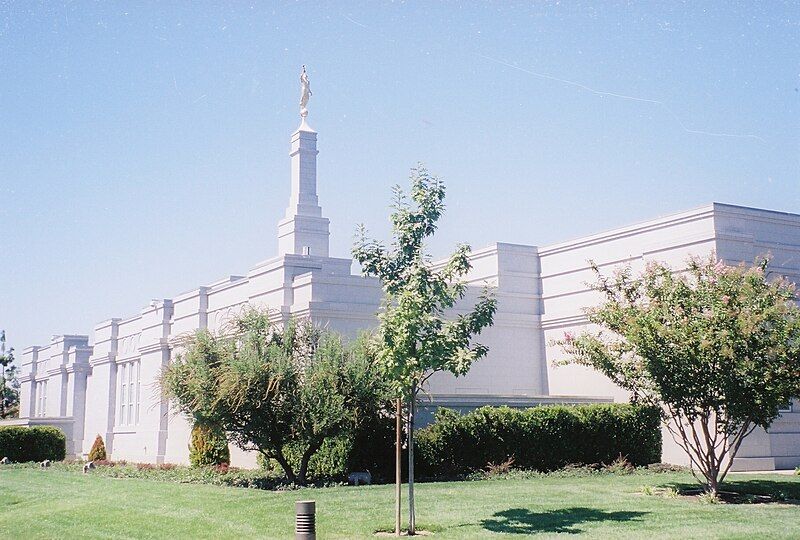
(305, 93)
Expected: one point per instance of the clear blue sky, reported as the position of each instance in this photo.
(144, 147)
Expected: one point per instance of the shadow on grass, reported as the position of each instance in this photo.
(772, 490)
(565, 520)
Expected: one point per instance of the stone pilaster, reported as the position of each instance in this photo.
(27, 379)
(101, 394)
(154, 350)
(61, 347)
(77, 370)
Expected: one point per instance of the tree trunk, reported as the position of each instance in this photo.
(287, 469)
(398, 464)
(302, 473)
(713, 485)
(412, 518)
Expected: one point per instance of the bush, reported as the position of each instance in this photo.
(540, 438)
(98, 451)
(369, 448)
(330, 461)
(208, 446)
(372, 447)
(37, 443)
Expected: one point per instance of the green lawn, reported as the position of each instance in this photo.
(54, 503)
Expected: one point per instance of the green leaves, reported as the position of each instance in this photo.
(415, 336)
(718, 347)
(270, 387)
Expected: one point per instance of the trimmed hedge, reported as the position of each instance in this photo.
(540, 438)
(37, 443)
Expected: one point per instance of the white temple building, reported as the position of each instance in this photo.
(107, 385)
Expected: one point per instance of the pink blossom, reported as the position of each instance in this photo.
(726, 299)
(719, 267)
(569, 337)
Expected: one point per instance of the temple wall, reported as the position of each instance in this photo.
(111, 387)
(567, 275)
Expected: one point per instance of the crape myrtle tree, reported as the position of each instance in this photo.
(415, 337)
(716, 347)
(271, 388)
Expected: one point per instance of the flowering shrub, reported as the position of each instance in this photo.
(716, 348)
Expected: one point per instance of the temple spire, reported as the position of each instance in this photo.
(303, 231)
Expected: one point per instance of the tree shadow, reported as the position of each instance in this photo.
(564, 520)
(771, 490)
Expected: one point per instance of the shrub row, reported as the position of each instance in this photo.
(540, 438)
(37, 443)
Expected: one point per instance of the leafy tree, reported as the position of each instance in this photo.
(716, 347)
(271, 389)
(9, 384)
(415, 337)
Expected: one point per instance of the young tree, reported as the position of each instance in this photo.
(269, 388)
(98, 450)
(9, 385)
(415, 337)
(717, 348)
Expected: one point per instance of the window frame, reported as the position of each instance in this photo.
(129, 387)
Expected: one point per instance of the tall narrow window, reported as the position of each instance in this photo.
(122, 390)
(138, 388)
(41, 398)
(131, 369)
(129, 375)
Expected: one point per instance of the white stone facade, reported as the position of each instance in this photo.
(109, 387)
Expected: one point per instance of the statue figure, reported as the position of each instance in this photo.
(305, 92)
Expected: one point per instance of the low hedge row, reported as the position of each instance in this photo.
(37, 443)
(540, 438)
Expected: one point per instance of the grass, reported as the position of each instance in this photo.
(60, 503)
